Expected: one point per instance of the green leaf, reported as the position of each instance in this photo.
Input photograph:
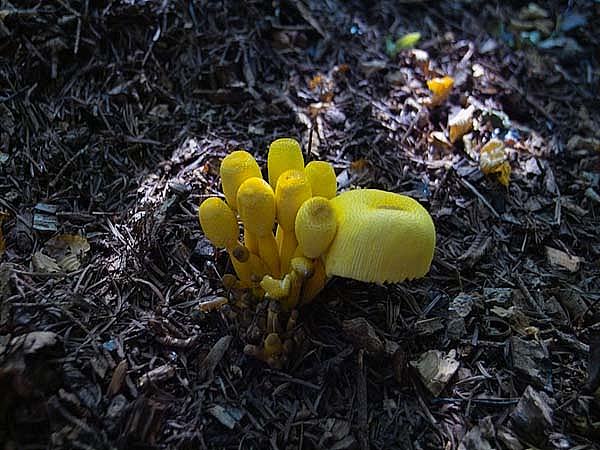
(408, 41)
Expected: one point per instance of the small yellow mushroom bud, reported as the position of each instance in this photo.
(236, 168)
(220, 227)
(256, 206)
(284, 154)
(273, 346)
(315, 226)
(321, 177)
(293, 189)
(218, 223)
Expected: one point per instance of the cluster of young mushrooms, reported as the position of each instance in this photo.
(298, 232)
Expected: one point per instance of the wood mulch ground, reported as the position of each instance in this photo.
(114, 117)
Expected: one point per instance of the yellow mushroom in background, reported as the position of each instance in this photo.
(256, 207)
(293, 189)
(236, 168)
(322, 179)
(284, 154)
(220, 226)
(381, 237)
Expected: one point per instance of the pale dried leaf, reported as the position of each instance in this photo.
(559, 258)
(435, 369)
(439, 139)
(461, 123)
(44, 263)
(69, 263)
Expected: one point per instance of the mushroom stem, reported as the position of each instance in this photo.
(288, 247)
(250, 241)
(315, 283)
(302, 268)
(270, 352)
(267, 250)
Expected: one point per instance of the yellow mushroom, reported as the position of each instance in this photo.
(315, 226)
(256, 206)
(275, 288)
(221, 228)
(293, 189)
(270, 352)
(321, 177)
(315, 283)
(301, 269)
(236, 168)
(381, 237)
(284, 154)
(250, 242)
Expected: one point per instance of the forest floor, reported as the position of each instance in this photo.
(115, 116)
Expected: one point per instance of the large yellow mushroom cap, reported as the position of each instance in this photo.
(321, 177)
(256, 206)
(284, 154)
(236, 168)
(316, 225)
(381, 237)
(218, 222)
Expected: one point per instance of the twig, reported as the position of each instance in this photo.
(481, 197)
(361, 398)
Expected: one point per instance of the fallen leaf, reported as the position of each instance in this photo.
(408, 41)
(44, 263)
(461, 123)
(440, 87)
(435, 369)
(559, 258)
(439, 139)
(68, 250)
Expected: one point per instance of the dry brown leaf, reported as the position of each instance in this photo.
(440, 140)
(67, 250)
(44, 263)
(460, 123)
(69, 244)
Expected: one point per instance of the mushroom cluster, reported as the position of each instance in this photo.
(298, 232)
